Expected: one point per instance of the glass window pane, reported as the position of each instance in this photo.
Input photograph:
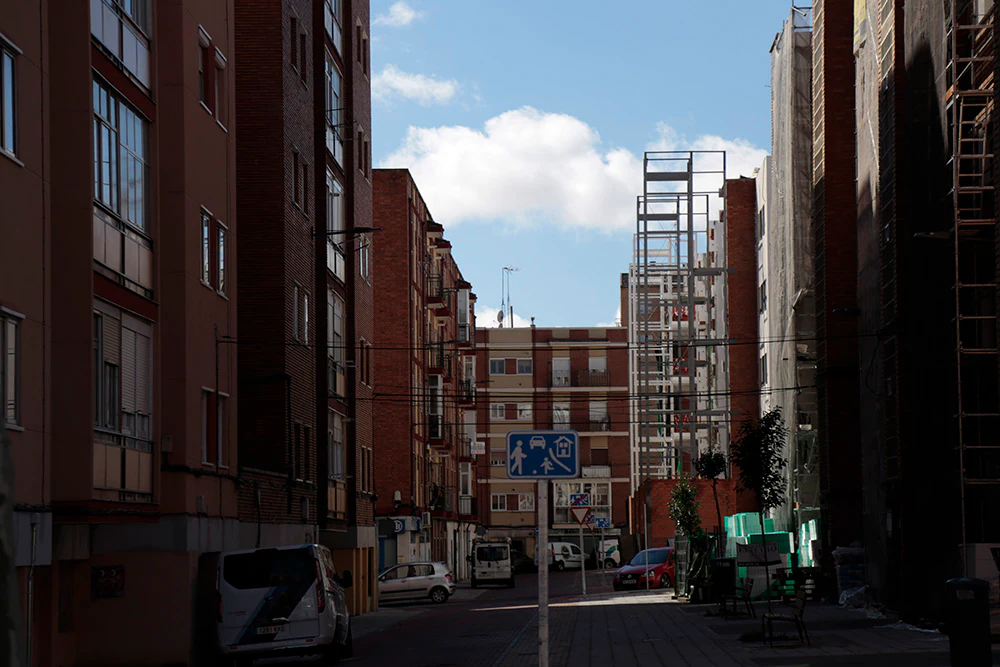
(10, 371)
(8, 97)
(222, 260)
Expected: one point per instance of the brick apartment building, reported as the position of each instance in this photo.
(117, 282)
(426, 361)
(562, 378)
(306, 442)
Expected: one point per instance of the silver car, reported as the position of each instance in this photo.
(415, 581)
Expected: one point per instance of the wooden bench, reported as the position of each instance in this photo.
(798, 607)
(742, 594)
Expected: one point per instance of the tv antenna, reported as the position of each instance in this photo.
(505, 304)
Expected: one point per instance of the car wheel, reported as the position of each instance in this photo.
(560, 566)
(610, 564)
(438, 595)
(665, 581)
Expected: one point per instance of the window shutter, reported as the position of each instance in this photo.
(142, 374)
(128, 370)
(112, 338)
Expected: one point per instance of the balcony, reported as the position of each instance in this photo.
(466, 334)
(123, 467)
(438, 361)
(467, 392)
(592, 379)
(564, 378)
(439, 434)
(441, 498)
(595, 472)
(467, 506)
(601, 425)
(434, 291)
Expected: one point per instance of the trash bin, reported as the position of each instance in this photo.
(967, 622)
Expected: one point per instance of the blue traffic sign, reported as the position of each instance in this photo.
(543, 454)
(602, 522)
(579, 499)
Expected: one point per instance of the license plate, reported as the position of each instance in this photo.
(270, 629)
(486, 575)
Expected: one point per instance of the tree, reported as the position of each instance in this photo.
(712, 465)
(683, 507)
(756, 452)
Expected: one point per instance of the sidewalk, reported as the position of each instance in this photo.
(653, 629)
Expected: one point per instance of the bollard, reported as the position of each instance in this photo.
(967, 622)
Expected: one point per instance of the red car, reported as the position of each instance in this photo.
(656, 565)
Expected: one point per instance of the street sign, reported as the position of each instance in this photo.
(753, 554)
(602, 522)
(478, 448)
(543, 455)
(581, 514)
(397, 526)
(579, 499)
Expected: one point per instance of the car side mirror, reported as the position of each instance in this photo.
(347, 579)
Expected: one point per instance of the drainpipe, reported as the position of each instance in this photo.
(35, 518)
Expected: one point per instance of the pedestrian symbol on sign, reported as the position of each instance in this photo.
(517, 458)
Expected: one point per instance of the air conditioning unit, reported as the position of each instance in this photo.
(425, 519)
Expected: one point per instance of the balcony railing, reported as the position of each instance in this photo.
(442, 434)
(123, 467)
(435, 289)
(467, 506)
(467, 391)
(466, 333)
(593, 472)
(592, 379)
(590, 425)
(560, 378)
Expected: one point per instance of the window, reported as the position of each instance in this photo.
(763, 369)
(335, 453)
(361, 151)
(465, 479)
(560, 416)
(202, 84)
(304, 336)
(763, 296)
(220, 87)
(293, 34)
(295, 312)
(8, 99)
(334, 137)
(367, 159)
(525, 502)
(562, 492)
(221, 268)
(524, 411)
(498, 366)
(121, 169)
(498, 410)
(296, 180)
(9, 367)
(206, 427)
(206, 221)
(304, 180)
(333, 17)
(365, 54)
(303, 55)
(335, 344)
(123, 373)
(364, 253)
(295, 456)
(560, 371)
(122, 27)
(599, 419)
(221, 413)
(498, 502)
(524, 366)
(334, 223)
(498, 463)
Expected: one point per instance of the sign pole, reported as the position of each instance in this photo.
(599, 551)
(543, 573)
(583, 563)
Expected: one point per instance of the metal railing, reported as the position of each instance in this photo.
(467, 391)
(589, 425)
(592, 379)
(592, 472)
(435, 287)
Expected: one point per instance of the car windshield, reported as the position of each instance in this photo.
(492, 554)
(652, 556)
(269, 567)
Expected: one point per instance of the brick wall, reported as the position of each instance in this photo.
(741, 244)
(662, 527)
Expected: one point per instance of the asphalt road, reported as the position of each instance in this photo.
(470, 633)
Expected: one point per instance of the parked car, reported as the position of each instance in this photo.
(415, 581)
(522, 562)
(492, 563)
(653, 565)
(563, 555)
(282, 601)
(607, 553)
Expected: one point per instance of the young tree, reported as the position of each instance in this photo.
(712, 465)
(683, 507)
(756, 452)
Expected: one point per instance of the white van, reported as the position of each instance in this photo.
(563, 555)
(282, 601)
(491, 564)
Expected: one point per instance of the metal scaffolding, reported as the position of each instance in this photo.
(970, 106)
(676, 287)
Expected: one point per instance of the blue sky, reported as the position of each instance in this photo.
(524, 123)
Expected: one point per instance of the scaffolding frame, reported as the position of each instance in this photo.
(970, 108)
(676, 281)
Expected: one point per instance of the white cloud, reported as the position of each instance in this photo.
(530, 166)
(392, 83)
(615, 322)
(487, 317)
(400, 14)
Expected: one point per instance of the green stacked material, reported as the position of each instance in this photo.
(808, 533)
